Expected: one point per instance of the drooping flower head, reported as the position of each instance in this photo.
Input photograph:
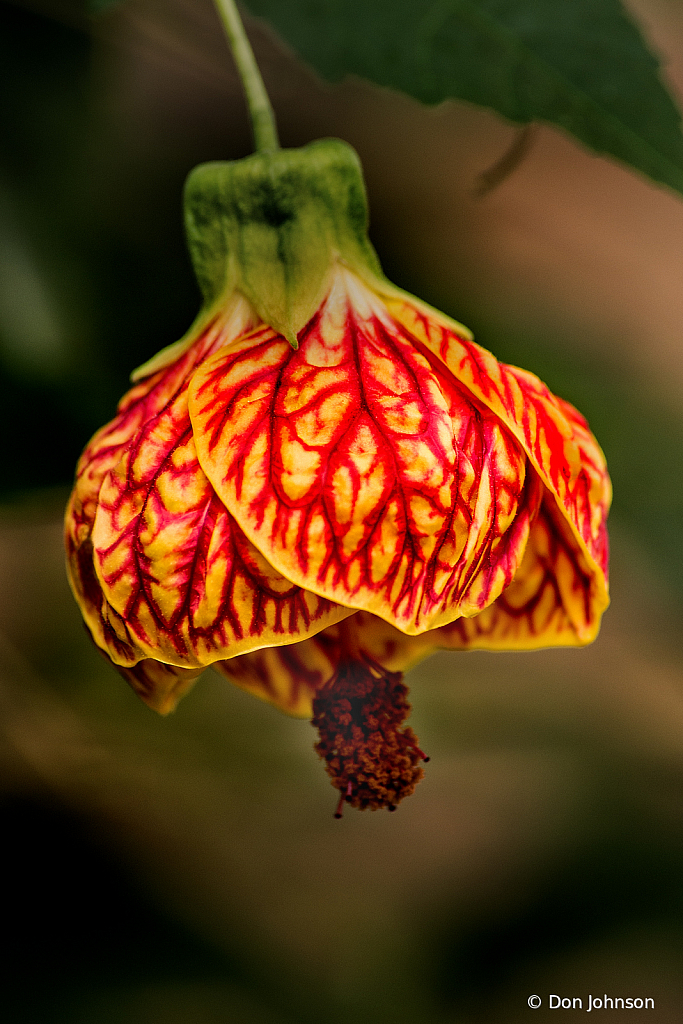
(326, 479)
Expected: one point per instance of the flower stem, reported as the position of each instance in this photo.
(260, 110)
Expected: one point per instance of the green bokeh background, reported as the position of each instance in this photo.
(188, 870)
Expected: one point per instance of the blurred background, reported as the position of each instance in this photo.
(188, 870)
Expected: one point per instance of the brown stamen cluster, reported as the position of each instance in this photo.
(371, 761)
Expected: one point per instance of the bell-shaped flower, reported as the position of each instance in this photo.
(326, 480)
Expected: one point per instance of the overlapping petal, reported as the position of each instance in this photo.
(161, 569)
(175, 566)
(361, 467)
(555, 600)
(290, 677)
(553, 434)
(160, 686)
(248, 498)
(165, 381)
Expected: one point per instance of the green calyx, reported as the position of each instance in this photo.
(273, 225)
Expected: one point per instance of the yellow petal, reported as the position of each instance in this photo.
(361, 468)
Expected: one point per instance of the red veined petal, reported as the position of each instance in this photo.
(555, 599)
(178, 580)
(144, 401)
(287, 676)
(361, 468)
(554, 435)
(290, 677)
(160, 686)
(175, 566)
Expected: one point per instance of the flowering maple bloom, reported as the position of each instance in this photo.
(326, 480)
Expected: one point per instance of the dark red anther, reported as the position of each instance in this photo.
(370, 756)
(424, 757)
(342, 798)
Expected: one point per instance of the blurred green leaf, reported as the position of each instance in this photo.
(579, 64)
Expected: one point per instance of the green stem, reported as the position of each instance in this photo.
(260, 110)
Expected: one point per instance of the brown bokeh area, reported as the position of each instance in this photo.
(541, 853)
(188, 870)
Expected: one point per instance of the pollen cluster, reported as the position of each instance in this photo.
(369, 758)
